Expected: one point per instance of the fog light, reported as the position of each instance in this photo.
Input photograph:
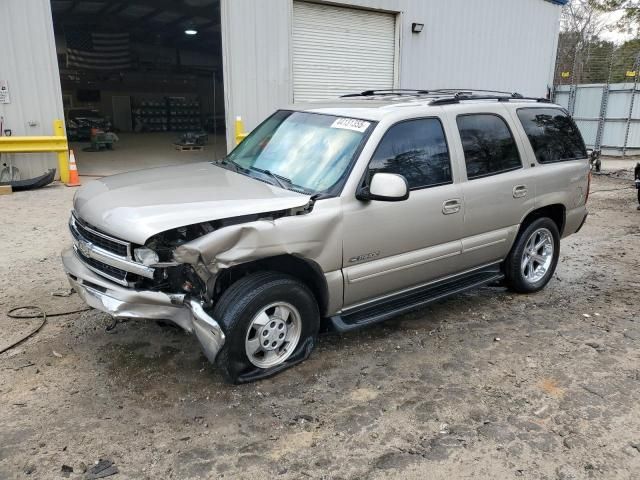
(146, 256)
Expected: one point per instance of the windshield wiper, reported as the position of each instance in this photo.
(282, 182)
(279, 179)
(230, 163)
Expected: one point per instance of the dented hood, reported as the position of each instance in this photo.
(137, 205)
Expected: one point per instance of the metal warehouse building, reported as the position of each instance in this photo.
(158, 68)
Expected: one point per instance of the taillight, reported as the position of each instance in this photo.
(588, 187)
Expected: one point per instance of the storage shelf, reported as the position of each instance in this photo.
(167, 114)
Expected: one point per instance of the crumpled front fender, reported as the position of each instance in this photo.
(314, 236)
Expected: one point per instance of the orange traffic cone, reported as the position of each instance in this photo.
(74, 179)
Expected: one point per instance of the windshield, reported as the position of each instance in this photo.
(301, 151)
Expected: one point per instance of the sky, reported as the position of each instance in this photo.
(614, 35)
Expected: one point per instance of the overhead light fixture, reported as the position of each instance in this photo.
(417, 27)
(191, 31)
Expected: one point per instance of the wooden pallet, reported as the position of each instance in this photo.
(188, 148)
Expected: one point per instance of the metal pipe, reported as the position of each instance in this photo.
(63, 156)
(631, 102)
(15, 144)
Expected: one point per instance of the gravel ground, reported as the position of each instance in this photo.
(485, 385)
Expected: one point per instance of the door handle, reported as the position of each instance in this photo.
(520, 191)
(451, 206)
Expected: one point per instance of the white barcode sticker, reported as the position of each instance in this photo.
(351, 124)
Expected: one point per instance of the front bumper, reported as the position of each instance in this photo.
(121, 302)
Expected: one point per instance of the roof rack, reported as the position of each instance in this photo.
(388, 91)
(421, 92)
(463, 95)
(470, 90)
(445, 96)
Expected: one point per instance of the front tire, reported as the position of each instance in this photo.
(534, 257)
(271, 322)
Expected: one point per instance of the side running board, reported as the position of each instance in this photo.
(405, 302)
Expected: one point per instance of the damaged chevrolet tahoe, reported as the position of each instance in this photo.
(342, 213)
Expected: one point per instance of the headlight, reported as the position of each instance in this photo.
(146, 256)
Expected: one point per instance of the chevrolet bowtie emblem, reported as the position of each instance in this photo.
(85, 249)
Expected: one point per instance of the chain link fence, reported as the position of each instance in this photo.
(598, 83)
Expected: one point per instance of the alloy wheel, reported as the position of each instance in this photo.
(537, 256)
(273, 335)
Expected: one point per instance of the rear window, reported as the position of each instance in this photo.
(489, 147)
(553, 135)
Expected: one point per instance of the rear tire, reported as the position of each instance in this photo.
(271, 323)
(534, 257)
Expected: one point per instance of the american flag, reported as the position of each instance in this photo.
(98, 51)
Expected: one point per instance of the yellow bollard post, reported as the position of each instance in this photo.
(240, 133)
(63, 157)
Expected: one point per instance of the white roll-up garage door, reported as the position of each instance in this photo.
(340, 50)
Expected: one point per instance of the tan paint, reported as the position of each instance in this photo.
(314, 236)
(366, 249)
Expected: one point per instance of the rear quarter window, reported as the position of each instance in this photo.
(553, 135)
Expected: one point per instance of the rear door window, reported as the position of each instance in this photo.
(489, 147)
(553, 135)
(417, 150)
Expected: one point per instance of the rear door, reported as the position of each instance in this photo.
(498, 191)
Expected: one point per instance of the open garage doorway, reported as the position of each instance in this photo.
(141, 82)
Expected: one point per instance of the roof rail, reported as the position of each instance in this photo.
(445, 96)
(388, 91)
(470, 90)
(462, 96)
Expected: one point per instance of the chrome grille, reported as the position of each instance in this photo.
(105, 255)
(113, 273)
(110, 244)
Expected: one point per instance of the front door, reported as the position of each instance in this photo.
(391, 246)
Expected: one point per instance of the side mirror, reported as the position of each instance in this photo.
(385, 187)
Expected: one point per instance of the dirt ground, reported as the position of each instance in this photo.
(486, 385)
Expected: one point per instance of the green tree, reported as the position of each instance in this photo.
(583, 56)
(579, 46)
(627, 59)
(585, 62)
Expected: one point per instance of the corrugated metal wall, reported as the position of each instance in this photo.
(621, 121)
(28, 62)
(498, 44)
(256, 56)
